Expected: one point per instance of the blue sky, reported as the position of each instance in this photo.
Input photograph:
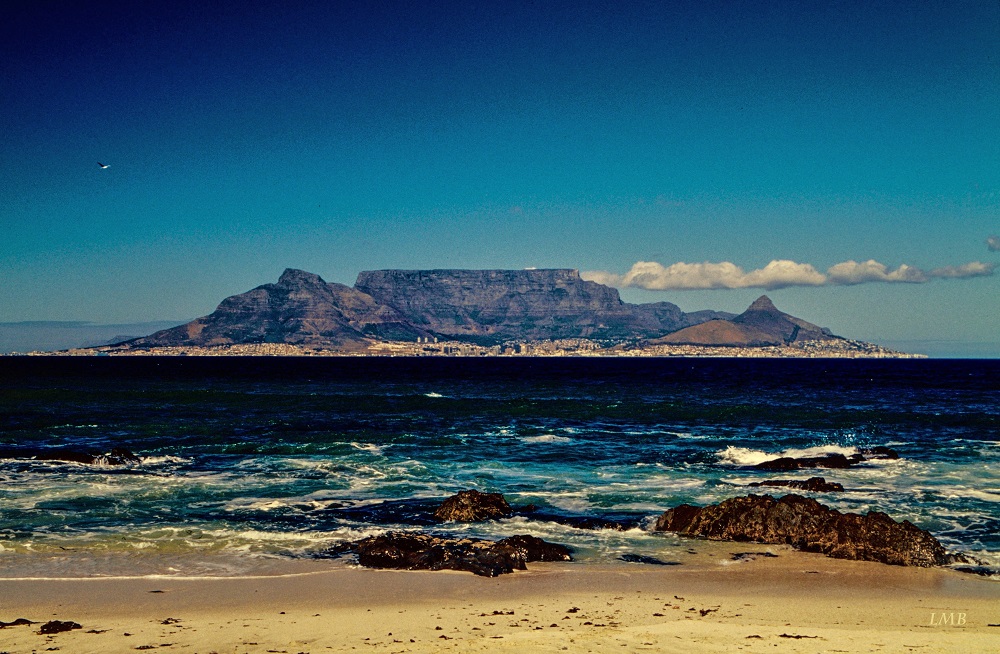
(244, 138)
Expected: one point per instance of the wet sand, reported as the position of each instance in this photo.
(793, 603)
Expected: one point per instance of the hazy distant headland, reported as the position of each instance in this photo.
(47, 335)
(479, 313)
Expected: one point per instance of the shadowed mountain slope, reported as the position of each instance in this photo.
(300, 309)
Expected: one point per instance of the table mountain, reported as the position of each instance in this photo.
(489, 306)
(482, 306)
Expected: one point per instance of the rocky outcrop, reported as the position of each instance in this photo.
(829, 460)
(807, 525)
(473, 506)
(813, 484)
(832, 460)
(761, 324)
(411, 551)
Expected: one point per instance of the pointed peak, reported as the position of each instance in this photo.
(763, 303)
(292, 276)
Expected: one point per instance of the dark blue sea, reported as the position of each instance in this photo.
(250, 460)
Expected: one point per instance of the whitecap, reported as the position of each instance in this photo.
(744, 456)
(368, 447)
(158, 460)
(545, 438)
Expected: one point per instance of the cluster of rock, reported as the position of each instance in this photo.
(801, 522)
(414, 551)
(807, 525)
(417, 551)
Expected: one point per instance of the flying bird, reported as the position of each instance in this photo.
(103, 166)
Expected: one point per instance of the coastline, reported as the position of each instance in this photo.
(561, 348)
(796, 603)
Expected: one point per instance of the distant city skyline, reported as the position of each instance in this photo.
(841, 157)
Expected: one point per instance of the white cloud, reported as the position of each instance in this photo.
(971, 269)
(779, 273)
(602, 277)
(653, 276)
(993, 243)
(852, 272)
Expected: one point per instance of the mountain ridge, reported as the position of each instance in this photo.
(484, 307)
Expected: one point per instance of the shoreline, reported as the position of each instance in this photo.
(795, 603)
(561, 348)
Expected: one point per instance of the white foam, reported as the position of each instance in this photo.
(368, 447)
(744, 456)
(545, 438)
(961, 492)
(159, 460)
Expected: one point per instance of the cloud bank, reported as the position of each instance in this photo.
(993, 243)
(780, 273)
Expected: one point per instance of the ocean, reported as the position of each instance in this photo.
(251, 462)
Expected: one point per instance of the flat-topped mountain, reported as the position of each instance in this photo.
(479, 306)
(498, 305)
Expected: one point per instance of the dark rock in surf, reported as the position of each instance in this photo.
(787, 463)
(532, 548)
(473, 506)
(118, 456)
(809, 526)
(410, 551)
(879, 452)
(69, 456)
(813, 484)
(830, 460)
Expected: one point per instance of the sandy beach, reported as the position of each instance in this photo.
(793, 603)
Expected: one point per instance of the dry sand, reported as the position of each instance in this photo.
(794, 603)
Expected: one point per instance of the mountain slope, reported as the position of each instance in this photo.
(761, 324)
(300, 309)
